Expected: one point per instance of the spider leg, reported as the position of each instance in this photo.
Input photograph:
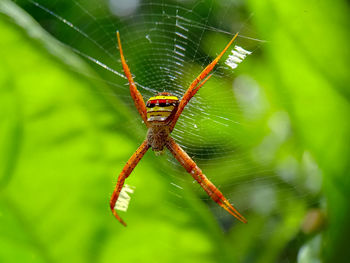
(192, 168)
(135, 94)
(193, 88)
(130, 165)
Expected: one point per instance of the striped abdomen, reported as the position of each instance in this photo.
(161, 108)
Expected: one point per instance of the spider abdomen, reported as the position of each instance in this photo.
(161, 108)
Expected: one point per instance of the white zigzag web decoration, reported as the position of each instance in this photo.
(237, 56)
(124, 198)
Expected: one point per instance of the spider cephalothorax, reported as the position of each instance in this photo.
(160, 115)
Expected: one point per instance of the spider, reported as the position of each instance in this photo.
(160, 115)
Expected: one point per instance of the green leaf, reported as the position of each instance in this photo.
(62, 144)
(308, 58)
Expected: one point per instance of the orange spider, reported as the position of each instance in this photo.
(160, 115)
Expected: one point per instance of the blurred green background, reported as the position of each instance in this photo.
(65, 135)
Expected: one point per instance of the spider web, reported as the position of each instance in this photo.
(239, 137)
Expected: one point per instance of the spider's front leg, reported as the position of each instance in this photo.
(198, 83)
(135, 94)
(130, 165)
(192, 168)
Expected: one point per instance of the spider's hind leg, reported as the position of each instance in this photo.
(130, 165)
(192, 168)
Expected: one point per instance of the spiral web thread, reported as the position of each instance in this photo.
(166, 48)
